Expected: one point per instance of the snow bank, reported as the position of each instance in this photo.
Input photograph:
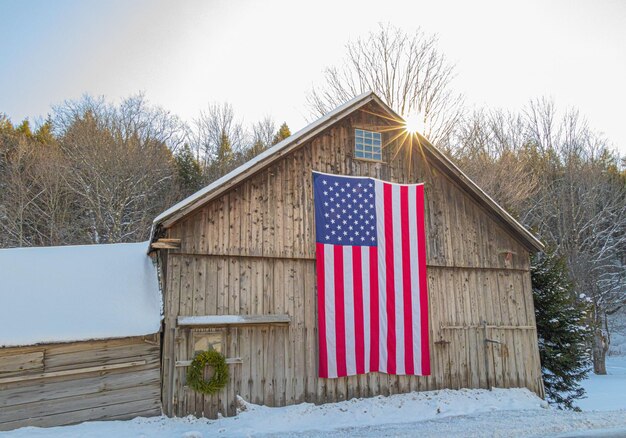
(71, 293)
(446, 413)
(257, 420)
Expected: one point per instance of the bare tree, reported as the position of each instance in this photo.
(490, 147)
(122, 171)
(210, 129)
(407, 71)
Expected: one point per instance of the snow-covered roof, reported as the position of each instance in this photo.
(73, 293)
(261, 161)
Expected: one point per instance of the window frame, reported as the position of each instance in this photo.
(365, 139)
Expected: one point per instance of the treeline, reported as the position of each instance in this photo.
(95, 172)
(564, 181)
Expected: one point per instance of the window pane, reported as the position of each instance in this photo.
(377, 157)
(359, 154)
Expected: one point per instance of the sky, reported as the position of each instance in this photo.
(264, 56)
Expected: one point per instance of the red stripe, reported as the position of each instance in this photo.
(423, 280)
(340, 314)
(406, 281)
(321, 310)
(374, 316)
(359, 341)
(391, 307)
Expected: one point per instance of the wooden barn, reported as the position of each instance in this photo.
(79, 335)
(237, 263)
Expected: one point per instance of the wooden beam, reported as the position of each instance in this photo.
(229, 360)
(72, 372)
(166, 244)
(232, 320)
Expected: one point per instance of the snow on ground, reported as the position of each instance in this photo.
(606, 393)
(72, 293)
(468, 413)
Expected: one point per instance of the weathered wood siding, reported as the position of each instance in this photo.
(252, 251)
(56, 384)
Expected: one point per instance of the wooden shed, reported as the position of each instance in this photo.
(239, 255)
(79, 334)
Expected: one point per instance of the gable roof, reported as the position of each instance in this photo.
(75, 293)
(269, 156)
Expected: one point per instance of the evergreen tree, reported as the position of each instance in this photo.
(189, 171)
(24, 128)
(224, 152)
(44, 134)
(283, 133)
(562, 330)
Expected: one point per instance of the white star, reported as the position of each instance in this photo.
(324, 181)
(343, 190)
(343, 211)
(332, 221)
(367, 233)
(326, 214)
(373, 238)
(332, 232)
(356, 233)
(370, 184)
(336, 183)
(345, 233)
(325, 204)
(350, 227)
(332, 210)
(327, 226)
(348, 195)
(351, 239)
(360, 195)
(325, 193)
(367, 222)
(339, 227)
(345, 222)
(347, 184)
(339, 238)
(327, 237)
(362, 238)
(359, 184)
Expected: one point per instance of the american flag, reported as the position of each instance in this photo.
(371, 276)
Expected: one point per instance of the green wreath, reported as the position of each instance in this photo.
(195, 379)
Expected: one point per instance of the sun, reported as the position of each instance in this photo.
(414, 123)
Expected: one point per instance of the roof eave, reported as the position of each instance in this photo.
(262, 161)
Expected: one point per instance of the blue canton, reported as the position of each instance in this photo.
(345, 210)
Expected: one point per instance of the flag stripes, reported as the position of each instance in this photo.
(372, 294)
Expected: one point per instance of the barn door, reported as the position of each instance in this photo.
(189, 342)
(489, 355)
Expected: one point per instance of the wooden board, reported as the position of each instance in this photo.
(254, 247)
(71, 382)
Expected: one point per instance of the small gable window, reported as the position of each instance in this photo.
(367, 144)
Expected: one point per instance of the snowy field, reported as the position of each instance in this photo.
(446, 413)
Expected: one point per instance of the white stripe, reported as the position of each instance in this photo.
(348, 285)
(365, 268)
(329, 300)
(397, 277)
(415, 291)
(382, 275)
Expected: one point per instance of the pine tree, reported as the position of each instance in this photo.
(24, 129)
(283, 133)
(562, 330)
(189, 171)
(44, 133)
